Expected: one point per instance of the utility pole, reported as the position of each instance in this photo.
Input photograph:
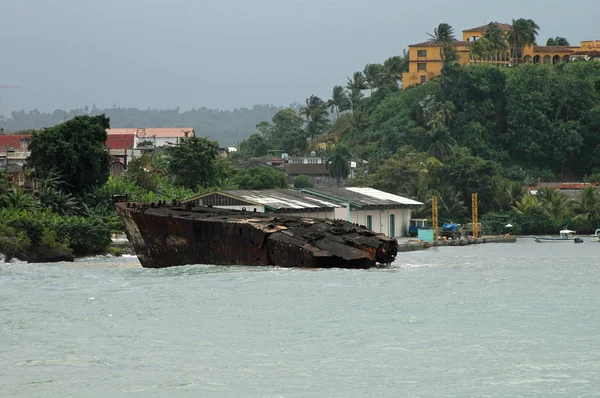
(475, 214)
(434, 219)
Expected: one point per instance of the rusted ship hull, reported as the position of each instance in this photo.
(167, 236)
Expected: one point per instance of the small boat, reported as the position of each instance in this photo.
(596, 236)
(566, 235)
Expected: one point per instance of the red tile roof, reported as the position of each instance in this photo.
(159, 132)
(12, 140)
(553, 49)
(457, 43)
(120, 141)
(505, 27)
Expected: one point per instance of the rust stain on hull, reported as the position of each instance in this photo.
(167, 236)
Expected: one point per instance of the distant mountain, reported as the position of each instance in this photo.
(226, 127)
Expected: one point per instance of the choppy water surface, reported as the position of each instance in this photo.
(490, 320)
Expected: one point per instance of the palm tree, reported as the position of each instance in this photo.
(354, 99)
(52, 196)
(373, 74)
(441, 143)
(522, 34)
(393, 68)
(338, 164)
(339, 100)
(313, 104)
(357, 82)
(586, 207)
(450, 206)
(480, 50)
(496, 41)
(317, 117)
(556, 203)
(443, 36)
(20, 200)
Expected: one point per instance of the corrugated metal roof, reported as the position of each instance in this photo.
(277, 198)
(363, 196)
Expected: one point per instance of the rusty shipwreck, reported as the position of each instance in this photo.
(169, 235)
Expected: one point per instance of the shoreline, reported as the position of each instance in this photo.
(415, 244)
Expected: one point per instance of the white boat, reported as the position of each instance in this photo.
(596, 236)
(566, 235)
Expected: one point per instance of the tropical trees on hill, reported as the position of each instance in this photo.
(497, 44)
(557, 41)
(523, 33)
(337, 164)
(443, 36)
(339, 101)
(317, 116)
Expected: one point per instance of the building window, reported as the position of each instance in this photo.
(421, 53)
(423, 79)
(370, 222)
(422, 66)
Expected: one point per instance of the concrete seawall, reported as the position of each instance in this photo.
(414, 244)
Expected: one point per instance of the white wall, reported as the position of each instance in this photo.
(158, 141)
(380, 219)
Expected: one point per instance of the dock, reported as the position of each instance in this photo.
(415, 244)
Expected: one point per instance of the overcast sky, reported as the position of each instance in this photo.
(228, 53)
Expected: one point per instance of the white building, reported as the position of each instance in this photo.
(377, 210)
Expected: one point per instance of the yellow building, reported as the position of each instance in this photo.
(426, 61)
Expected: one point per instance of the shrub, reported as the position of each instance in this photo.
(302, 181)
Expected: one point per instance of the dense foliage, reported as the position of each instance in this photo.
(75, 150)
(259, 178)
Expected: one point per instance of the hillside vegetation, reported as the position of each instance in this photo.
(482, 129)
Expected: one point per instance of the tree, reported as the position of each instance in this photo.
(141, 173)
(586, 208)
(302, 181)
(450, 205)
(557, 41)
(316, 116)
(53, 197)
(403, 174)
(523, 33)
(551, 42)
(339, 101)
(260, 178)
(75, 149)
(481, 50)
(496, 42)
(443, 36)
(358, 82)
(254, 146)
(285, 132)
(191, 162)
(5, 187)
(338, 165)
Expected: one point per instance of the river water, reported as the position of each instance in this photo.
(493, 320)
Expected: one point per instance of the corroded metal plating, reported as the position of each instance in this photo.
(166, 236)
